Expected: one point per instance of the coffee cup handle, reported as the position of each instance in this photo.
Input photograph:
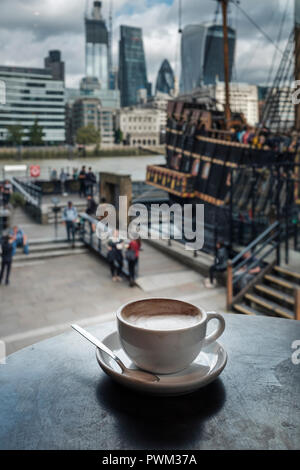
(219, 330)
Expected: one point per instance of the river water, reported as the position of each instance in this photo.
(133, 166)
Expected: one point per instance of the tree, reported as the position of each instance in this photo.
(88, 135)
(15, 134)
(119, 136)
(35, 134)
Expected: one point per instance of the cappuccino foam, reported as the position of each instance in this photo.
(164, 322)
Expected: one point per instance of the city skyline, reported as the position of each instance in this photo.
(40, 28)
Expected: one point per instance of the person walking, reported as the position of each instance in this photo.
(82, 179)
(69, 218)
(115, 256)
(6, 255)
(132, 256)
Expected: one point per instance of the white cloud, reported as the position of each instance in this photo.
(29, 28)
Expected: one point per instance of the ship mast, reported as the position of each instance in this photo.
(297, 58)
(224, 4)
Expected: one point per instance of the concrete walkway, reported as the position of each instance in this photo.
(45, 296)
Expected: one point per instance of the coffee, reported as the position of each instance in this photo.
(164, 336)
(164, 321)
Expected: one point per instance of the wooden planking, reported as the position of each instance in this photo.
(275, 293)
(280, 281)
(287, 272)
(243, 308)
(271, 306)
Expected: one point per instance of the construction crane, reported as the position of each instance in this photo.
(110, 38)
(180, 16)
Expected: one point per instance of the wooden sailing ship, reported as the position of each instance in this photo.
(243, 188)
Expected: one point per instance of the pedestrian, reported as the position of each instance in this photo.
(69, 218)
(19, 239)
(63, 178)
(91, 206)
(90, 181)
(220, 264)
(7, 191)
(82, 179)
(6, 255)
(132, 256)
(75, 174)
(53, 175)
(115, 256)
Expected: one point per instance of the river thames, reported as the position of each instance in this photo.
(133, 166)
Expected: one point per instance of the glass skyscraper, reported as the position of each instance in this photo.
(165, 82)
(96, 53)
(202, 55)
(132, 65)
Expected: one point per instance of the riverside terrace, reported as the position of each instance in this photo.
(253, 404)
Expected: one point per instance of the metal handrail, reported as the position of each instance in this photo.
(272, 236)
(255, 242)
(257, 251)
(26, 195)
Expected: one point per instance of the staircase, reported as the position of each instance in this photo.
(273, 294)
(272, 290)
(48, 248)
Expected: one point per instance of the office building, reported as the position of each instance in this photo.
(89, 111)
(132, 65)
(202, 55)
(140, 126)
(54, 63)
(96, 48)
(32, 94)
(165, 82)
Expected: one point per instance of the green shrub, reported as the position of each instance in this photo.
(17, 199)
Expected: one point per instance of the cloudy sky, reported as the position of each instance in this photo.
(29, 28)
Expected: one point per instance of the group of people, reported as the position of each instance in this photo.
(117, 249)
(87, 179)
(87, 182)
(262, 138)
(5, 193)
(115, 256)
(13, 239)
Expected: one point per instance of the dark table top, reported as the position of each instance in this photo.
(53, 395)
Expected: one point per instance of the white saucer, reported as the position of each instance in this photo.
(206, 368)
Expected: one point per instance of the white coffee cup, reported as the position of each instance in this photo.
(165, 336)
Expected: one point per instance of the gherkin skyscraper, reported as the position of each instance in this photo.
(165, 82)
